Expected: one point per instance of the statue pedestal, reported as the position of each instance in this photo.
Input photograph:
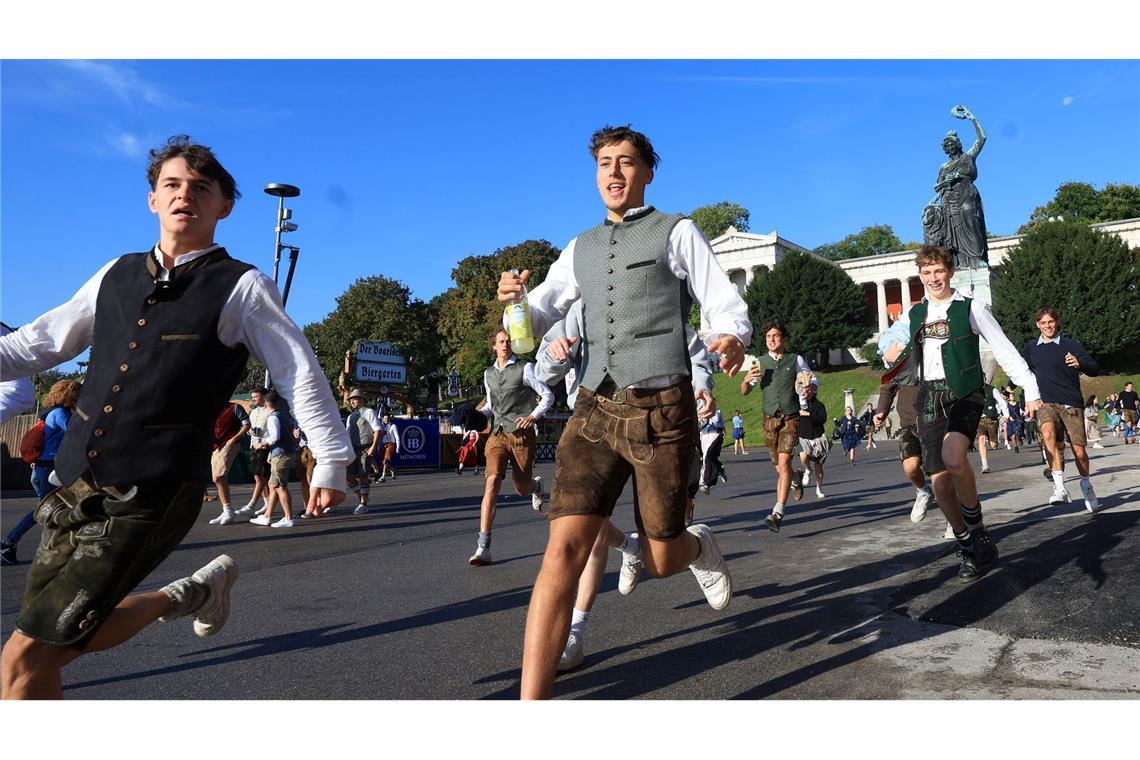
(849, 400)
(975, 283)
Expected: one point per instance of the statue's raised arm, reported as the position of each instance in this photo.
(962, 112)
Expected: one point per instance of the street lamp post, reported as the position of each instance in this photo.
(282, 191)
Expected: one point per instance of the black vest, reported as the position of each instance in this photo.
(158, 373)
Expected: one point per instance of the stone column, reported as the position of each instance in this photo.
(848, 400)
(881, 293)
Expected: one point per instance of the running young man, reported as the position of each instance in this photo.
(136, 458)
(634, 415)
(814, 440)
(901, 382)
(776, 373)
(1057, 363)
(511, 386)
(944, 328)
(987, 426)
(550, 371)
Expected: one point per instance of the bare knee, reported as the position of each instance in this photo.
(24, 658)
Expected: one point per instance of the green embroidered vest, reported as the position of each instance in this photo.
(778, 384)
(961, 359)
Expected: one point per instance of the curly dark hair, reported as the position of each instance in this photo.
(608, 135)
(199, 158)
(933, 254)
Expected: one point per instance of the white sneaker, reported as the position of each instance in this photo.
(1092, 505)
(985, 468)
(1097, 445)
(360, 509)
(260, 520)
(482, 556)
(711, 570)
(921, 504)
(219, 576)
(261, 509)
(537, 497)
(818, 493)
(573, 654)
(949, 532)
(1008, 447)
(806, 480)
(1059, 495)
(227, 517)
(218, 520)
(630, 572)
(284, 522)
(245, 511)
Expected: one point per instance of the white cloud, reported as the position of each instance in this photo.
(128, 144)
(122, 80)
(1067, 101)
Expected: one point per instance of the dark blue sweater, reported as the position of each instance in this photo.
(1059, 383)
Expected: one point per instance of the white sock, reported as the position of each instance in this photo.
(1085, 483)
(630, 545)
(1059, 478)
(578, 621)
(920, 491)
(778, 509)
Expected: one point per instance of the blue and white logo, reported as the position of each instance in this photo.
(414, 439)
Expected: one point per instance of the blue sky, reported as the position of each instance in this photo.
(408, 166)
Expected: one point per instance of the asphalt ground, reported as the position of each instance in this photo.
(849, 601)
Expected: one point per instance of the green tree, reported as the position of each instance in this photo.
(869, 241)
(715, 219)
(382, 309)
(821, 305)
(1089, 276)
(1080, 201)
(469, 310)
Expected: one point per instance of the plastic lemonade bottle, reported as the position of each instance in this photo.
(518, 323)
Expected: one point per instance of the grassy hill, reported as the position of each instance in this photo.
(864, 380)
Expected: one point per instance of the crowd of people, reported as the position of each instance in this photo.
(613, 312)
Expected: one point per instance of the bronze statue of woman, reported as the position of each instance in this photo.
(960, 223)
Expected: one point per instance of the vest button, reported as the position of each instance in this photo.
(613, 242)
(610, 320)
(611, 303)
(611, 336)
(142, 323)
(152, 300)
(117, 388)
(611, 255)
(84, 624)
(609, 271)
(609, 287)
(100, 432)
(108, 409)
(612, 352)
(124, 367)
(92, 454)
(132, 345)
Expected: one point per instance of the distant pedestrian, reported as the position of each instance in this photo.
(281, 445)
(58, 406)
(1092, 422)
(851, 433)
(867, 419)
(1129, 404)
(738, 433)
(258, 454)
(229, 428)
(712, 439)
(390, 445)
(814, 442)
(364, 433)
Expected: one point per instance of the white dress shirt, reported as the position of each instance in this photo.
(983, 323)
(252, 316)
(15, 395)
(690, 258)
(545, 401)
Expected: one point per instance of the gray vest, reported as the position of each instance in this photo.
(359, 431)
(635, 308)
(511, 398)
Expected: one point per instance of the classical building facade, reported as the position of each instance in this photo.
(889, 281)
